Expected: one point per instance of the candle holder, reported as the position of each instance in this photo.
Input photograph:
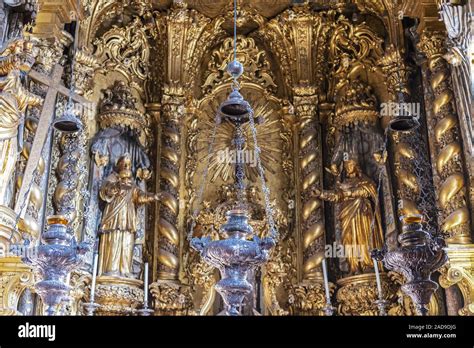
(418, 256)
(145, 311)
(54, 259)
(90, 308)
(382, 306)
(329, 309)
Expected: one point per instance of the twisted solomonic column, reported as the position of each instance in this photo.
(168, 239)
(171, 296)
(310, 161)
(449, 164)
(308, 296)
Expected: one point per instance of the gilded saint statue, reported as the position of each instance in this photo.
(14, 99)
(119, 220)
(360, 221)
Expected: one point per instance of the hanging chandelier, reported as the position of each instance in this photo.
(239, 251)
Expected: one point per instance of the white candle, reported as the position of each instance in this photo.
(94, 276)
(326, 281)
(377, 277)
(145, 282)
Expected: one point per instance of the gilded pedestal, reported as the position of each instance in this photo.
(357, 294)
(308, 298)
(15, 277)
(171, 298)
(460, 271)
(118, 296)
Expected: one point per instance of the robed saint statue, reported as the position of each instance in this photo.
(359, 216)
(119, 220)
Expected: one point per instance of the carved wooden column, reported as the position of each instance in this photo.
(168, 238)
(310, 158)
(448, 160)
(152, 238)
(171, 296)
(304, 27)
(457, 18)
(311, 215)
(450, 167)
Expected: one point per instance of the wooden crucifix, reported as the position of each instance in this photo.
(55, 87)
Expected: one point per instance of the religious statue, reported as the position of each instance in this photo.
(119, 220)
(17, 58)
(360, 221)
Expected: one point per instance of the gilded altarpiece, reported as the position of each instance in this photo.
(318, 76)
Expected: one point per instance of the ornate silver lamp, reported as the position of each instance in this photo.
(68, 122)
(234, 256)
(403, 123)
(54, 258)
(418, 256)
(240, 250)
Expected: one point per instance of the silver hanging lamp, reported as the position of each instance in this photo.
(403, 123)
(68, 122)
(239, 251)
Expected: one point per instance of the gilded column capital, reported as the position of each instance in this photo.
(432, 44)
(301, 22)
(173, 93)
(178, 21)
(396, 72)
(305, 101)
(304, 91)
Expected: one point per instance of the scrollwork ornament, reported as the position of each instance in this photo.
(126, 50)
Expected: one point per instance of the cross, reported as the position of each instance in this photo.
(47, 113)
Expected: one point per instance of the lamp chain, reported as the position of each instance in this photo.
(204, 174)
(265, 189)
